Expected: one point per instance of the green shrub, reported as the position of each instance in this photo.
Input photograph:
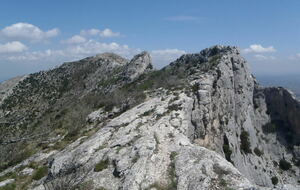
(195, 88)
(147, 113)
(101, 188)
(258, 152)
(173, 155)
(136, 158)
(223, 183)
(40, 173)
(103, 164)
(274, 180)
(284, 165)
(269, 128)
(226, 149)
(245, 142)
(11, 186)
(88, 185)
(174, 107)
(227, 152)
(172, 173)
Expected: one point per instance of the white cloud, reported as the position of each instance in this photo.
(168, 52)
(37, 55)
(257, 48)
(90, 32)
(294, 57)
(163, 57)
(264, 57)
(106, 33)
(26, 31)
(12, 47)
(182, 18)
(76, 39)
(75, 52)
(92, 47)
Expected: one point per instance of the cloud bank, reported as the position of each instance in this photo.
(26, 31)
(12, 47)
(257, 48)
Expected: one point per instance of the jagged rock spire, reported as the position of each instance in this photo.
(138, 65)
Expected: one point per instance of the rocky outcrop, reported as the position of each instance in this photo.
(202, 122)
(6, 182)
(139, 64)
(7, 86)
(146, 148)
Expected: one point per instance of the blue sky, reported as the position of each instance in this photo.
(37, 35)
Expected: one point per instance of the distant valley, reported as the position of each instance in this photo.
(291, 82)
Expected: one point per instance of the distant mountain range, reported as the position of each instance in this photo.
(291, 82)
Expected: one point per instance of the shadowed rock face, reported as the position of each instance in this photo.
(284, 111)
(204, 130)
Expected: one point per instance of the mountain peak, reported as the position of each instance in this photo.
(142, 58)
(219, 49)
(138, 65)
(111, 57)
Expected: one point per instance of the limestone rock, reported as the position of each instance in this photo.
(139, 64)
(6, 182)
(27, 171)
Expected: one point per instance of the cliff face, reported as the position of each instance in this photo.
(202, 122)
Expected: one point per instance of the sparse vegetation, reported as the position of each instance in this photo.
(223, 183)
(258, 152)
(226, 149)
(40, 173)
(149, 112)
(195, 87)
(245, 142)
(172, 172)
(136, 158)
(71, 176)
(269, 128)
(156, 142)
(103, 164)
(11, 186)
(101, 188)
(284, 164)
(172, 185)
(274, 180)
(174, 107)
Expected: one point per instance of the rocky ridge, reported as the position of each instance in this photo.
(209, 125)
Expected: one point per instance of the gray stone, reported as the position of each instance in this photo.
(6, 182)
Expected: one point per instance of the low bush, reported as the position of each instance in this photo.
(40, 173)
(245, 142)
(258, 152)
(103, 164)
(269, 128)
(11, 186)
(284, 165)
(274, 180)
